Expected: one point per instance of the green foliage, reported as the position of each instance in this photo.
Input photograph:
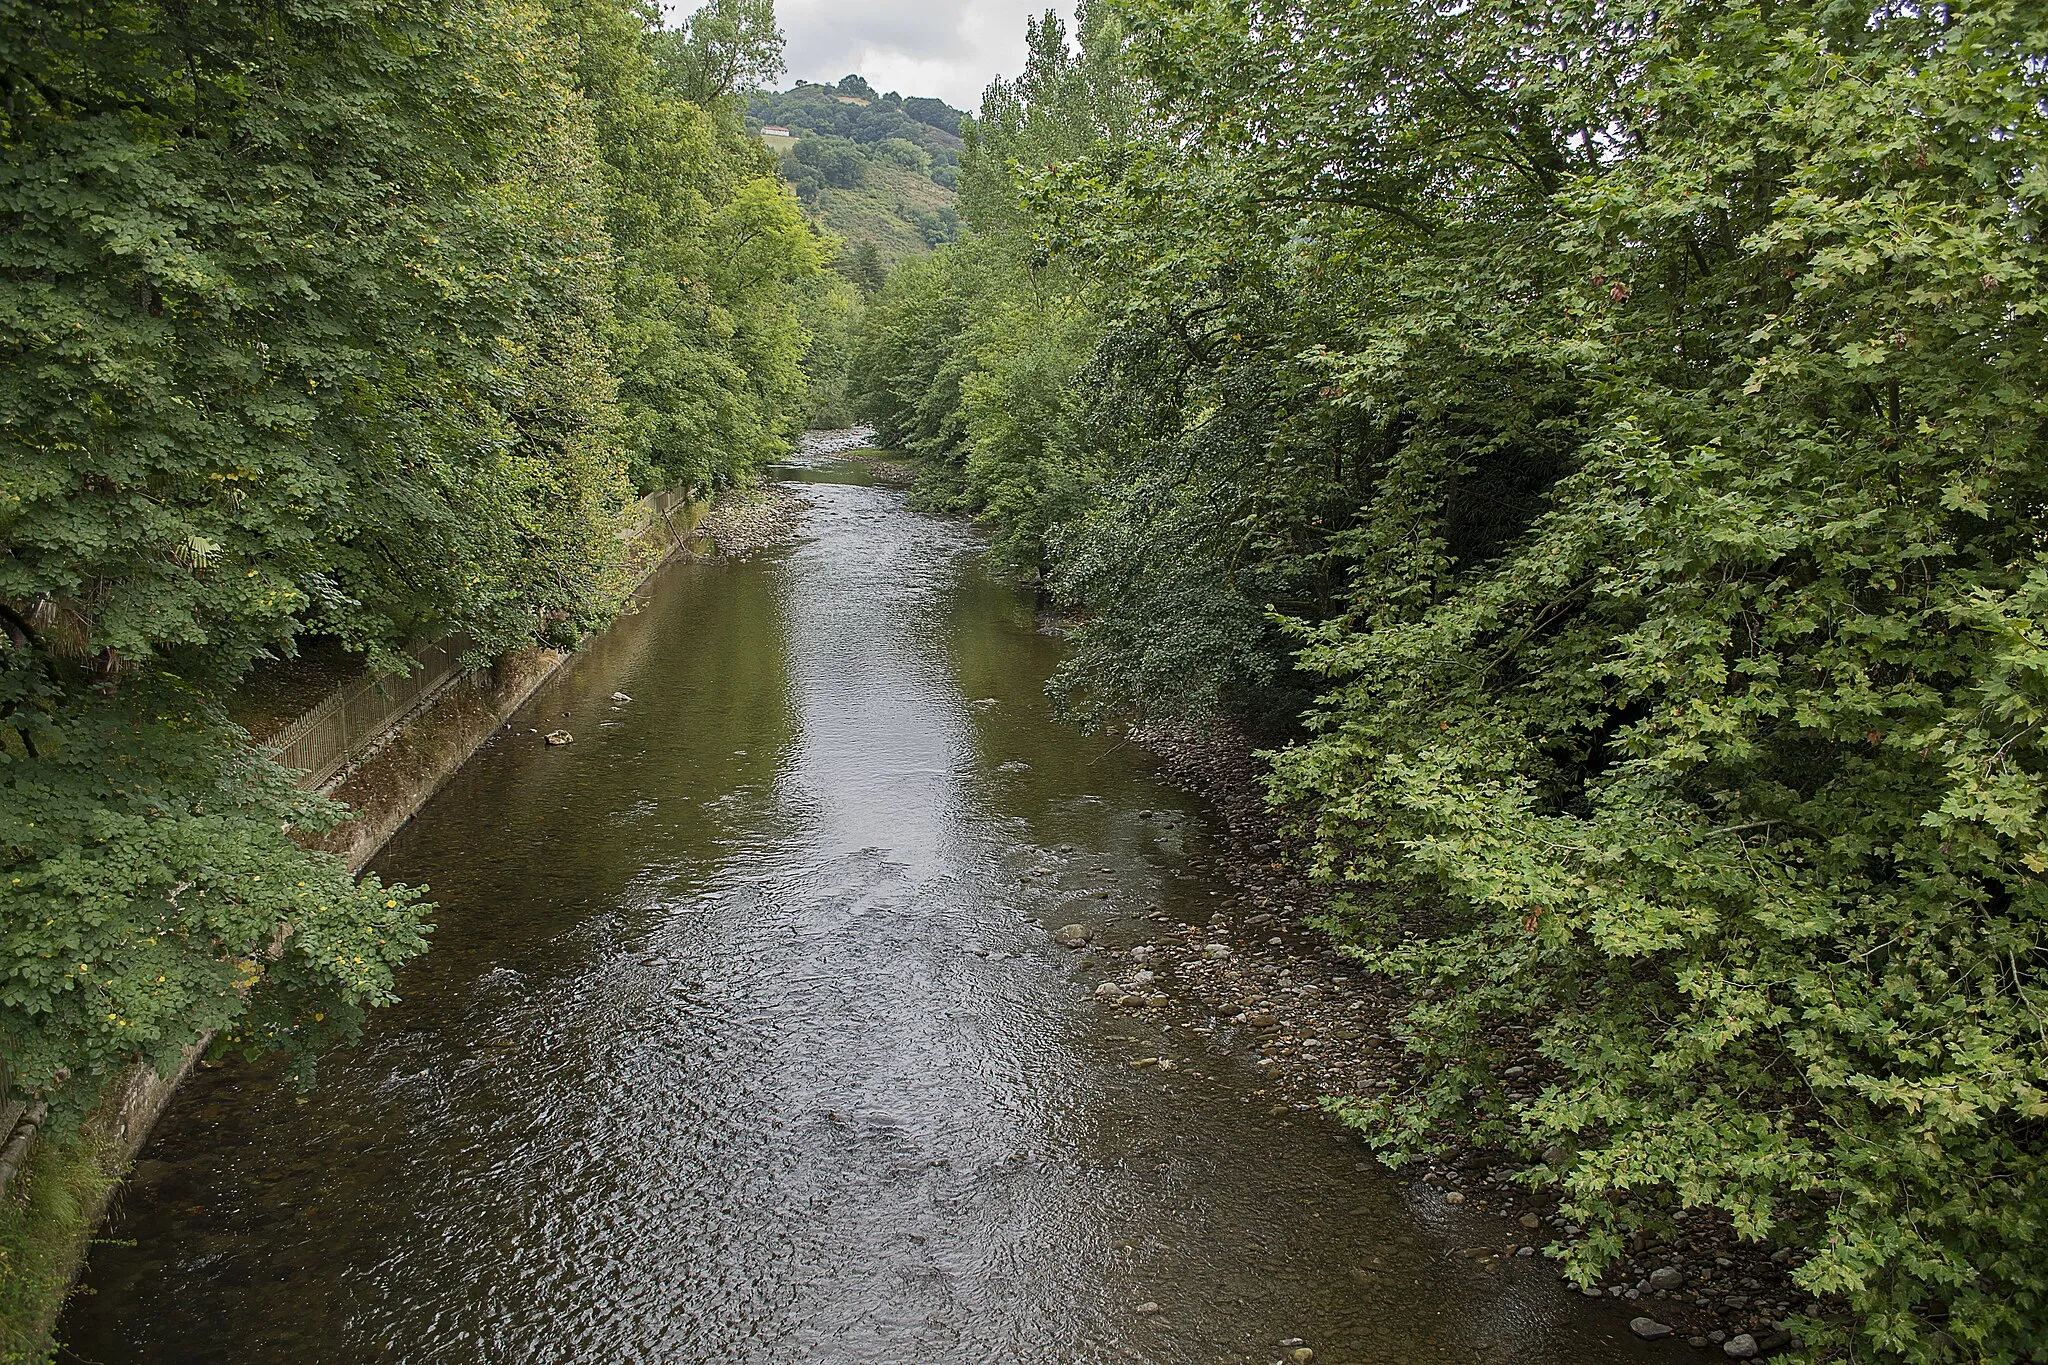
(863, 267)
(342, 318)
(835, 313)
(816, 110)
(42, 1226)
(894, 209)
(835, 160)
(902, 152)
(879, 175)
(152, 884)
(935, 113)
(1633, 418)
(727, 47)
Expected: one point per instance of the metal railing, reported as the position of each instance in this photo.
(350, 721)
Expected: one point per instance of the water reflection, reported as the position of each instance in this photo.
(742, 1040)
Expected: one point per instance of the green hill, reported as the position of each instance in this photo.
(871, 168)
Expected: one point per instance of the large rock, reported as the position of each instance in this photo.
(1075, 935)
(1741, 1346)
(1666, 1277)
(1649, 1329)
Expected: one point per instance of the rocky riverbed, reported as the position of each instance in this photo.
(1258, 975)
(835, 442)
(747, 520)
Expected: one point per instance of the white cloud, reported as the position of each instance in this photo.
(915, 47)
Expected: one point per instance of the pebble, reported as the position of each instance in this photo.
(1284, 998)
(1649, 1329)
(557, 738)
(1147, 1309)
(1741, 1346)
(1109, 990)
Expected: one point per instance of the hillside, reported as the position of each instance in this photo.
(900, 211)
(876, 169)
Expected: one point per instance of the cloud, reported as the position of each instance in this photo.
(915, 47)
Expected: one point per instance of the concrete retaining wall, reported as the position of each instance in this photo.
(386, 789)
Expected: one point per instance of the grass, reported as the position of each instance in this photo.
(881, 210)
(44, 1222)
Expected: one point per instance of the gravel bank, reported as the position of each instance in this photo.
(746, 520)
(1320, 1026)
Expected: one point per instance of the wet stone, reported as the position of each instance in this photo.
(1649, 1329)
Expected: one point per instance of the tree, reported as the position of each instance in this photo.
(838, 162)
(864, 266)
(727, 47)
(355, 319)
(1607, 443)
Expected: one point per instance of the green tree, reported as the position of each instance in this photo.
(727, 47)
(838, 161)
(354, 319)
(1632, 417)
(262, 280)
(864, 267)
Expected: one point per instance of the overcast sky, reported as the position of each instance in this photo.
(947, 48)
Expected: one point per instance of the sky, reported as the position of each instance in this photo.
(915, 47)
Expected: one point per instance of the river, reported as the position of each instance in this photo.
(743, 1040)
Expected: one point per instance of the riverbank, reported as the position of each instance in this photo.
(746, 1036)
(1324, 1029)
(66, 1186)
(747, 520)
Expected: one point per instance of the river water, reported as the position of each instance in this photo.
(743, 1040)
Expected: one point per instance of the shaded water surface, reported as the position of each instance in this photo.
(742, 1039)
